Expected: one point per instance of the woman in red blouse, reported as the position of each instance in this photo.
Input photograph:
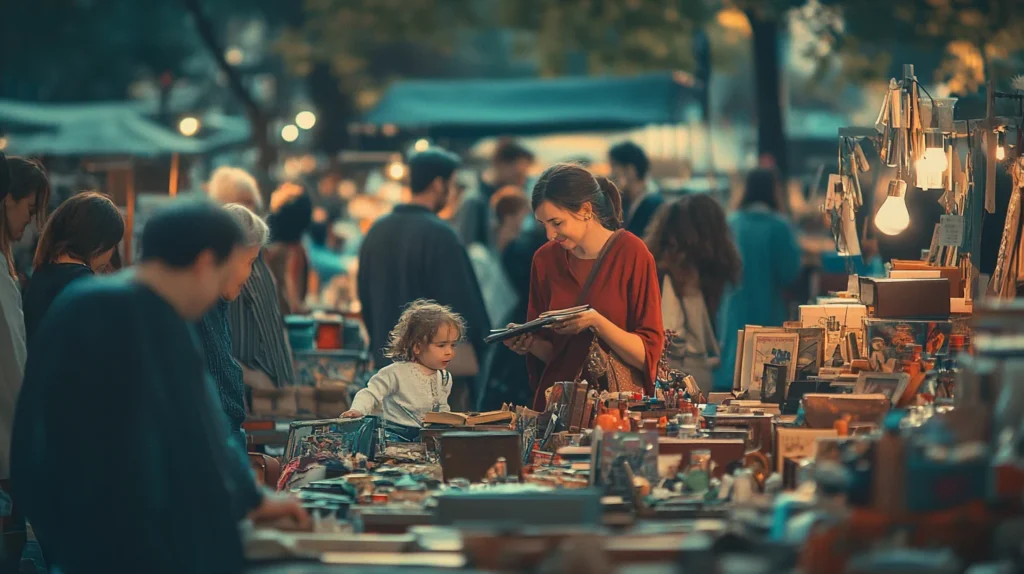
(582, 215)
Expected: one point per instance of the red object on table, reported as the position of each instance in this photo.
(328, 334)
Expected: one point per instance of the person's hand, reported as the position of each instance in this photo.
(573, 324)
(351, 414)
(520, 345)
(278, 507)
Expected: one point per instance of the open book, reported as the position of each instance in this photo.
(546, 319)
(468, 419)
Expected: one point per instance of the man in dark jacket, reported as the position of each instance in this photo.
(412, 254)
(640, 198)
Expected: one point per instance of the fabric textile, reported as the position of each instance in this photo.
(258, 338)
(625, 291)
(215, 338)
(45, 285)
(403, 392)
(771, 254)
(115, 365)
(12, 363)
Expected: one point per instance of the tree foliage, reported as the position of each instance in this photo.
(607, 36)
(79, 50)
(975, 37)
(367, 44)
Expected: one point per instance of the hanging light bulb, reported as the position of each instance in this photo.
(1001, 146)
(893, 217)
(933, 163)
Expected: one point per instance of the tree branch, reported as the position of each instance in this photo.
(257, 118)
(209, 37)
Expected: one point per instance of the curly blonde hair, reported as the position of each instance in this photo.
(420, 321)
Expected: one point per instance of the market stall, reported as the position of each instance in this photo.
(880, 428)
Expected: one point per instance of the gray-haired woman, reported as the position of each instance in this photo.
(214, 333)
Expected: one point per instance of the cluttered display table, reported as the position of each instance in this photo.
(846, 470)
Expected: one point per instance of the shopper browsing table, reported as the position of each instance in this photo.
(121, 453)
(589, 259)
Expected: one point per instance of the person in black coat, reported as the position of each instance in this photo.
(640, 198)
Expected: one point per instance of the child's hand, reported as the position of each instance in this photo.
(351, 414)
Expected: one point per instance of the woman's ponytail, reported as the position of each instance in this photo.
(613, 219)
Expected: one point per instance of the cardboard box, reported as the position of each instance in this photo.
(275, 402)
(956, 283)
(305, 398)
(906, 298)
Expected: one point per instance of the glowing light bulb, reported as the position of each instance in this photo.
(1001, 153)
(289, 133)
(935, 158)
(930, 168)
(396, 171)
(305, 120)
(422, 145)
(893, 217)
(188, 126)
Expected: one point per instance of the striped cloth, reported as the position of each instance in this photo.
(227, 375)
(258, 337)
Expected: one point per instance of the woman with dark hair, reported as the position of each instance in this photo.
(771, 254)
(291, 214)
(590, 260)
(696, 260)
(28, 194)
(79, 240)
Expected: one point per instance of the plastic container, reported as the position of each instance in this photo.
(301, 332)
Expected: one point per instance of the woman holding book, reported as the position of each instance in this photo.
(590, 260)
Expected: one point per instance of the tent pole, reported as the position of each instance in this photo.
(173, 185)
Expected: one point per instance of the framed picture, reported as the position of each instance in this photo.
(771, 347)
(892, 385)
(774, 379)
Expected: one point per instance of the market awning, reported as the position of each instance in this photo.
(104, 129)
(478, 108)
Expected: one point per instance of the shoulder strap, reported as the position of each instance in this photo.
(597, 267)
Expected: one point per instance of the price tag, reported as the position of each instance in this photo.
(951, 230)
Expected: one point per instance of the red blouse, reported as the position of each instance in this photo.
(625, 291)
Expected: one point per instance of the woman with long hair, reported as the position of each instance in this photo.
(28, 194)
(79, 240)
(590, 260)
(696, 260)
(771, 254)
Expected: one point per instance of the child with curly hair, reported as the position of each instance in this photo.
(421, 346)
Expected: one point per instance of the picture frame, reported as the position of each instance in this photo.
(774, 380)
(892, 385)
(771, 347)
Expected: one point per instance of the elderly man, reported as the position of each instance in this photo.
(214, 333)
(258, 340)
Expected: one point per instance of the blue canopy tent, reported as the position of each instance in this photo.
(105, 129)
(480, 108)
(110, 130)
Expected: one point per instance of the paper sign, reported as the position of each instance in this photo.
(797, 443)
(951, 230)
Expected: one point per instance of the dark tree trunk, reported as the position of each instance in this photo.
(771, 135)
(335, 109)
(258, 122)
